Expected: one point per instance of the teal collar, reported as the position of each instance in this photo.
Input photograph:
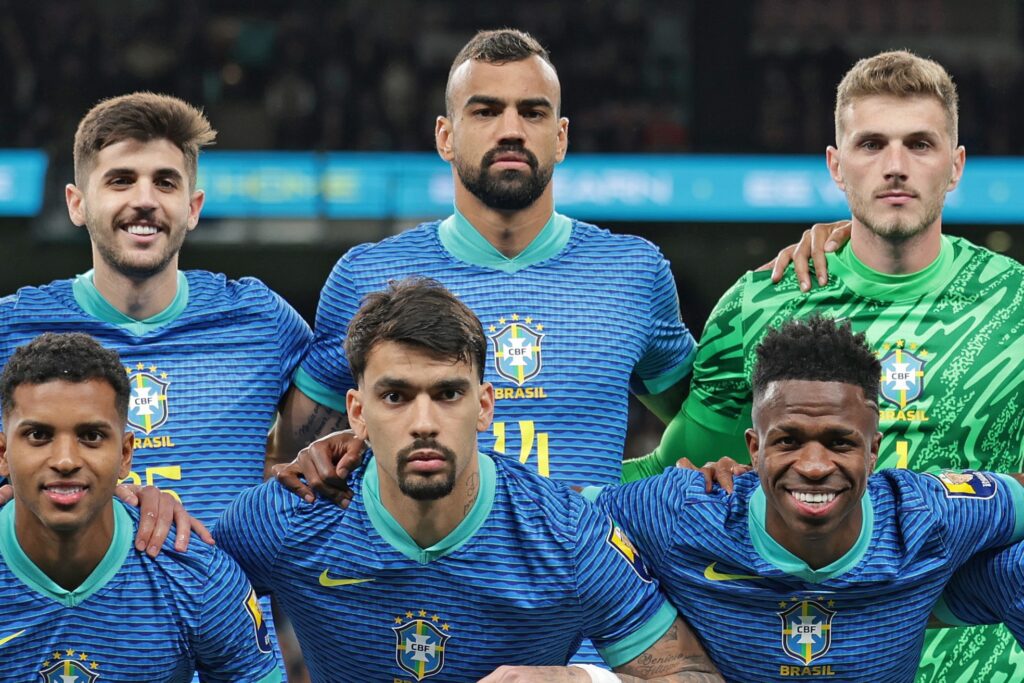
(34, 577)
(770, 550)
(880, 286)
(93, 303)
(393, 533)
(464, 242)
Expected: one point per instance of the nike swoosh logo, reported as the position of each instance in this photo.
(711, 575)
(11, 637)
(327, 581)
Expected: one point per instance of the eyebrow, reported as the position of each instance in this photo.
(393, 383)
(914, 134)
(123, 171)
(523, 103)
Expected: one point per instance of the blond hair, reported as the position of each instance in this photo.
(899, 73)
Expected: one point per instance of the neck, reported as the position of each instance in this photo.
(510, 232)
(137, 298)
(896, 257)
(429, 521)
(817, 550)
(67, 558)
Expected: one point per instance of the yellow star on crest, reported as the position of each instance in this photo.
(56, 655)
(163, 375)
(423, 612)
(398, 620)
(831, 603)
(408, 615)
(492, 328)
(501, 321)
(69, 653)
(152, 368)
(127, 370)
(140, 366)
(444, 627)
(435, 618)
(94, 665)
(782, 604)
(83, 656)
(515, 316)
(528, 320)
(540, 327)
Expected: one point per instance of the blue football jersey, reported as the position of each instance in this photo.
(989, 589)
(134, 618)
(575, 321)
(764, 615)
(530, 571)
(207, 375)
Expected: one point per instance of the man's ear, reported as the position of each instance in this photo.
(832, 160)
(5, 468)
(127, 448)
(354, 408)
(76, 204)
(486, 407)
(753, 446)
(443, 140)
(876, 444)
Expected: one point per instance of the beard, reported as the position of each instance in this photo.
(507, 190)
(433, 487)
(902, 227)
(134, 266)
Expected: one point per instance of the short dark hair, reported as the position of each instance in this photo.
(499, 46)
(817, 349)
(142, 116)
(418, 312)
(70, 357)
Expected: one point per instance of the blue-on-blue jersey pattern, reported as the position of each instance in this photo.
(205, 383)
(532, 570)
(134, 619)
(989, 589)
(764, 615)
(568, 337)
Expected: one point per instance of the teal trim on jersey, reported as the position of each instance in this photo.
(1017, 495)
(33, 577)
(637, 642)
(943, 613)
(770, 550)
(400, 540)
(465, 243)
(873, 284)
(668, 380)
(93, 303)
(318, 392)
(591, 492)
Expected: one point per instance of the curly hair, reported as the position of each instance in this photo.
(817, 349)
(71, 357)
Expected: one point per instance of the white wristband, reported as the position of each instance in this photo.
(597, 674)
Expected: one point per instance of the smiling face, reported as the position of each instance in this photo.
(896, 161)
(421, 415)
(64, 449)
(137, 205)
(814, 445)
(503, 134)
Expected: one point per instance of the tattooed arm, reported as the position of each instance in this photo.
(301, 420)
(676, 657)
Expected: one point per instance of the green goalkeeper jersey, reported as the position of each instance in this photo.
(951, 342)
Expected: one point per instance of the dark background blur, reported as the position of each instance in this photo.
(654, 76)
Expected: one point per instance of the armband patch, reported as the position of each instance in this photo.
(966, 484)
(617, 539)
(252, 608)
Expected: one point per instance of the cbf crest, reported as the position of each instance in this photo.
(69, 666)
(517, 352)
(147, 406)
(902, 376)
(420, 644)
(806, 630)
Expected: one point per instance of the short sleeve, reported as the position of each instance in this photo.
(324, 375)
(295, 337)
(989, 589)
(231, 642)
(668, 356)
(624, 612)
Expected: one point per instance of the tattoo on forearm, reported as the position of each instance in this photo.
(322, 420)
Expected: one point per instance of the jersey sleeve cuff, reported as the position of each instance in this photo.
(943, 613)
(591, 492)
(669, 379)
(318, 392)
(1017, 496)
(636, 643)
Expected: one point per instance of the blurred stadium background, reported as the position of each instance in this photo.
(699, 125)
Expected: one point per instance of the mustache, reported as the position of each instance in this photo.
(489, 157)
(425, 445)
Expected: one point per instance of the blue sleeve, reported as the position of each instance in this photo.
(254, 527)
(645, 510)
(295, 337)
(981, 510)
(989, 589)
(668, 357)
(624, 612)
(324, 375)
(231, 641)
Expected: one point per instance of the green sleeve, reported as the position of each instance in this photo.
(714, 417)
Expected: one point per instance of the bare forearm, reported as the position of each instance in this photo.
(300, 422)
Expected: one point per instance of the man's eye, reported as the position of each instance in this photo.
(391, 397)
(451, 394)
(91, 437)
